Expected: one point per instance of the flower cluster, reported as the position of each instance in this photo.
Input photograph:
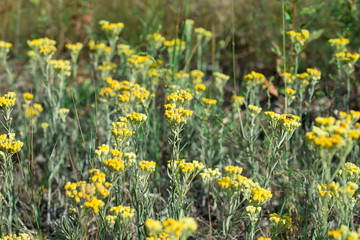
(283, 222)
(176, 116)
(253, 212)
(344, 234)
(139, 62)
(220, 79)
(115, 164)
(111, 29)
(103, 151)
(98, 48)
(155, 40)
(74, 50)
(28, 97)
(107, 66)
(120, 132)
(286, 123)
(135, 120)
(21, 236)
(314, 74)
(176, 44)
(126, 92)
(348, 58)
(147, 167)
(196, 76)
(179, 98)
(237, 101)
(175, 113)
(89, 195)
(125, 50)
(208, 175)
(350, 172)
(199, 88)
(188, 168)
(62, 67)
(290, 93)
(43, 48)
(7, 102)
(170, 228)
(120, 213)
(8, 145)
(299, 37)
(202, 33)
(33, 110)
(4, 48)
(232, 184)
(331, 135)
(209, 102)
(254, 110)
(253, 79)
(339, 44)
(233, 171)
(338, 192)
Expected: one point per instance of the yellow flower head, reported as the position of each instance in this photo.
(209, 101)
(254, 78)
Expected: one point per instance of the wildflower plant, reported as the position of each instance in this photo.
(282, 128)
(4, 51)
(235, 193)
(345, 62)
(279, 224)
(181, 174)
(252, 82)
(112, 32)
(9, 146)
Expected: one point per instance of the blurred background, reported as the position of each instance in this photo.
(258, 25)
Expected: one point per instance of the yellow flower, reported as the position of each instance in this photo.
(254, 78)
(153, 226)
(233, 171)
(9, 145)
(111, 29)
(177, 117)
(147, 167)
(7, 101)
(290, 91)
(299, 37)
(200, 87)
(209, 174)
(21, 236)
(139, 62)
(28, 97)
(254, 110)
(94, 204)
(209, 101)
(262, 238)
(4, 48)
(120, 132)
(116, 164)
(44, 125)
(107, 66)
(281, 222)
(314, 74)
(155, 40)
(180, 97)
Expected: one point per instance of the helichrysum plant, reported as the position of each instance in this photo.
(170, 228)
(235, 193)
(9, 146)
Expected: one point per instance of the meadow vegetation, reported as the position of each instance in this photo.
(169, 123)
